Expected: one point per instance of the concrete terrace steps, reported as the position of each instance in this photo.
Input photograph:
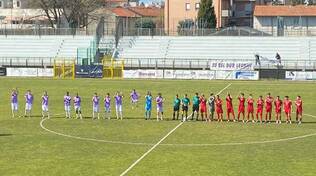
(42, 47)
(166, 47)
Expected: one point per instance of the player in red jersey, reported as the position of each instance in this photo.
(299, 109)
(278, 109)
(219, 108)
(241, 107)
(260, 103)
(203, 102)
(287, 103)
(229, 107)
(268, 102)
(250, 108)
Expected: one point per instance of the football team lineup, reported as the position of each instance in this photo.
(178, 128)
(199, 106)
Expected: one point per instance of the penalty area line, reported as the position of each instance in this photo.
(161, 140)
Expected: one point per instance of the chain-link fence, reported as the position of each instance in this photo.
(43, 31)
(230, 31)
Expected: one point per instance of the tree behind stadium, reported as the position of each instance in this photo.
(206, 15)
(75, 12)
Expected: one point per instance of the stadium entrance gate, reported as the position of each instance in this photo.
(113, 69)
(64, 69)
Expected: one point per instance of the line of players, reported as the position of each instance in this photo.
(199, 106)
(29, 99)
(215, 104)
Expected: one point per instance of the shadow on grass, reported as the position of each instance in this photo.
(114, 118)
(6, 135)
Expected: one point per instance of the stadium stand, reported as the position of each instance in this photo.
(107, 44)
(214, 47)
(43, 47)
(292, 49)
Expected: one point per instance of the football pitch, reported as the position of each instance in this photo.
(134, 146)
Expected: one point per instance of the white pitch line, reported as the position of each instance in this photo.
(151, 149)
(160, 141)
(187, 145)
(89, 139)
(310, 115)
(243, 143)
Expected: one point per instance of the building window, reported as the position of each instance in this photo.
(187, 6)
(18, 4)
(1, 4)
(197, 6)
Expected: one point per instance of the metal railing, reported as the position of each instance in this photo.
(147, 63)
(158, 63)
(26, 62)
(230, 31)
(43, 31)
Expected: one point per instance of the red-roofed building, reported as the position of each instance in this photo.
(124, 12)
(147, 11)
(285, 20)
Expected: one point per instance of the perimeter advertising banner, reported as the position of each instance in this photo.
(89, 71)
(300, 75)
(30, 72)
(191, 74)
(3, 71)
(143, 74)
(247, 75)
(231, 66)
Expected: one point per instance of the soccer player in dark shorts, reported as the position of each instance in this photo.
(211, 104)
(176, 107)
(196, 106)
(185, 107)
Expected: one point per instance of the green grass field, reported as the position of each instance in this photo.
(109, 147)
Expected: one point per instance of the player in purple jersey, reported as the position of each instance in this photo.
(28, 103)
(77, 106)
(159, 102)
(14, 101)
(45, 105)
(118, 105)
(95, 106)
(67, 102)
(107, 106)
(134, 99)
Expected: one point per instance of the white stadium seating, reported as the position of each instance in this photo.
(236, 48)
(44, 47)
(296, 51)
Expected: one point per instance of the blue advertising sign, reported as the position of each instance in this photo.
(89, 71)
(247, 75)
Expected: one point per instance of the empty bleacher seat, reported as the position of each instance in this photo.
(219, 48)
(42, 47)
